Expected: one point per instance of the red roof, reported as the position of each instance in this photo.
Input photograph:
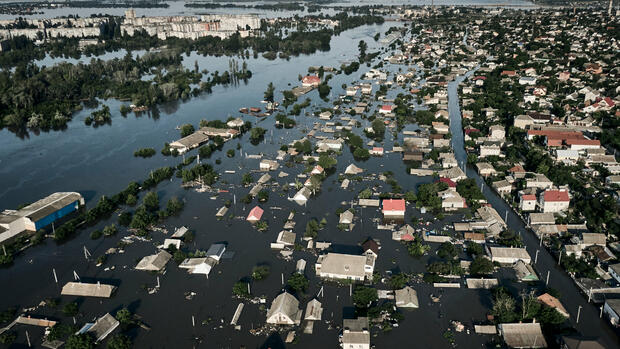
(448, 181)
(470, 130)
(311, 79)
(377, 149)
(556, 196)
(393, 205)
(480, 78)
(387, 107)
(517, 169)
(509, 72)
(583, 142)
(255, 214)
(609, 101)
(528, 197)
(407, 237)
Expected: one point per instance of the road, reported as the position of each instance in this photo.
(590, 324)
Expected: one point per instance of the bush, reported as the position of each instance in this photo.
(110, 230)
(260, 272)
(187, 130)
(96, 234)
(144, 152)
(174, 206)
(240, 289)
(230, 153)
(363, 297)
(70, 309)
(298, 282)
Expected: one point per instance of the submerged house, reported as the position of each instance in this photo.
(393, 209)
(284, 310)
(154, 262)
(345, 266)
(406, 298)
(355, 333)
(255, 214)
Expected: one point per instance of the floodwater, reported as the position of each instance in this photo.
(99, 162)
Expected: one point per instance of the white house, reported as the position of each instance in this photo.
(345, 266)
(393, 208)
(509, 255)
(284, 310)
(355, 333)
(554, 200)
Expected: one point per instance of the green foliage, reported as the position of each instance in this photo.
(304, 147)
(120, 341)
(240, 289)
(398, 281)
(268, 96)
(99, 117)
(445, 268)
(131, 200)
(8, 337)
(481, 266)
(125, 317)
(365, 194)
(60, 332)
(261, 226)
(474, 249)
(504, 306)
(70, 309)
(257, 133)
(124, 219)
(151, 201)
(96, 234)
(312, 228)
(361, 154)
(447, 250)
(80, 341)
(263, 195)
(327, 161)
(417, 249)
(260, 272)
(230, 153)
(297, 282)
(363, 297)
(247, 179)
(110, 230)
(144, 152)
(468, 189)
(187, 129)
(427, 196)
(509, 238)
(174, 206)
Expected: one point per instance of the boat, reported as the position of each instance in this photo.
(243, 110)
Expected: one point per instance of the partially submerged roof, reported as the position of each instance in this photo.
(103, 327)
(406, 297)
(87, 290)
(48, 205)
(528, 335)
(314, 309)
(285, 304)
(154, 262)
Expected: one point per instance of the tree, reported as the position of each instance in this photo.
(504, 306)
(269, 93)
(80, 341)
(446, 250)
(260, 272)
(364, 296)
(263, 195)
(174, 206)
(70, 309)
(257, 133)
(247, 179)
(417, 249)
(131, 200)
(474, 249)
(481, 266)
(297, 282)
(398, 281)
(362, 48)
(151, 201)
(120, 341)
(240, 289)
(125, 317)
(110, 230)
(327, 161)
(187, 130)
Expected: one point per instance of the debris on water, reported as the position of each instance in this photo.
(190, 295)
(435, 299)
(458, 326)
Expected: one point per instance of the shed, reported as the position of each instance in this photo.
(528, 335)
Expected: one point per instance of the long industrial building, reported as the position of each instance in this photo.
(38, 214)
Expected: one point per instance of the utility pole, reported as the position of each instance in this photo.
(55, 277)
(536, 258)
(578, 313)
(547, 282)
